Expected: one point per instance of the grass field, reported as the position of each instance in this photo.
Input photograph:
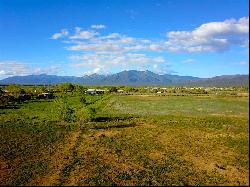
(132, 140)
(178, 105)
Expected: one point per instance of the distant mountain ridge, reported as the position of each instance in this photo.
(131, 77)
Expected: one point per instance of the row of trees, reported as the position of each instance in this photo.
(66, 88)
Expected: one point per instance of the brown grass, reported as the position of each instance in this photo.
(5, 170)
(206, 153)
(59, 159)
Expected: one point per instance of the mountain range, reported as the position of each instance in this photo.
(132, 78)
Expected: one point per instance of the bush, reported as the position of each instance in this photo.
(113, 89)
(14, 89)
(92, 113)
(3, 101)
(83, 100)
(83, 115)
(64, 111)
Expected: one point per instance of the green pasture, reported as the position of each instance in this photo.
(180, 105)
(126, 140)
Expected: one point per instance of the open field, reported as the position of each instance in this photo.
(178, 105)
(129, 140)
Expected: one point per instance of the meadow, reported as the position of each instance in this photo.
(116, 139)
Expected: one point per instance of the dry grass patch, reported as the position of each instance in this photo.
(207, 152)
(109, 133)
(146, 125)
(157, 156)
(58, 160)
(5, 171)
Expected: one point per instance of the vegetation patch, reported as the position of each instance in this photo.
(117, 139)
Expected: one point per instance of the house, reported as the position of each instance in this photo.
(99, 91)
(24, 97)
(91, 91)
(120, 91)
(45, 96)
(95, 91)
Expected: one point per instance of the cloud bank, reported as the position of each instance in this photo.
(210, 37)
(98, 53)
(13, 68)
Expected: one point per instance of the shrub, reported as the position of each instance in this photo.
(14, 89)
(92, 113)
(64, 111)
(3, 101)
(113, 89)
(86, 114)
(83, 100)
(83, 115)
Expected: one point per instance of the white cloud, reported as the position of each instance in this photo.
(159, 59)
(94, 42)
(241, 63)
(111, 44)
(9, 68)
(213, 36)
(79, 34)
(2, 72)
(113, 35)
(155, 47)
(14, 68)
(155, 66)
(162, 69)
(97, 52)
(189, 61)
(127, 40)
(228, 27)
(102, 62)
(96, 70)
(98, 26)
(104, 59)
(47, 70)
(64, 32)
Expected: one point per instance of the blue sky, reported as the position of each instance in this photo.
(70, 37)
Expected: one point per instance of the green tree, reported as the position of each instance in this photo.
(3, 101)
(38, 90)
(81, 89)
(14, 89)
(70, 88)
(113, 89)
(44, 89)
(23, 91)
(65, 87)
(29, 90)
